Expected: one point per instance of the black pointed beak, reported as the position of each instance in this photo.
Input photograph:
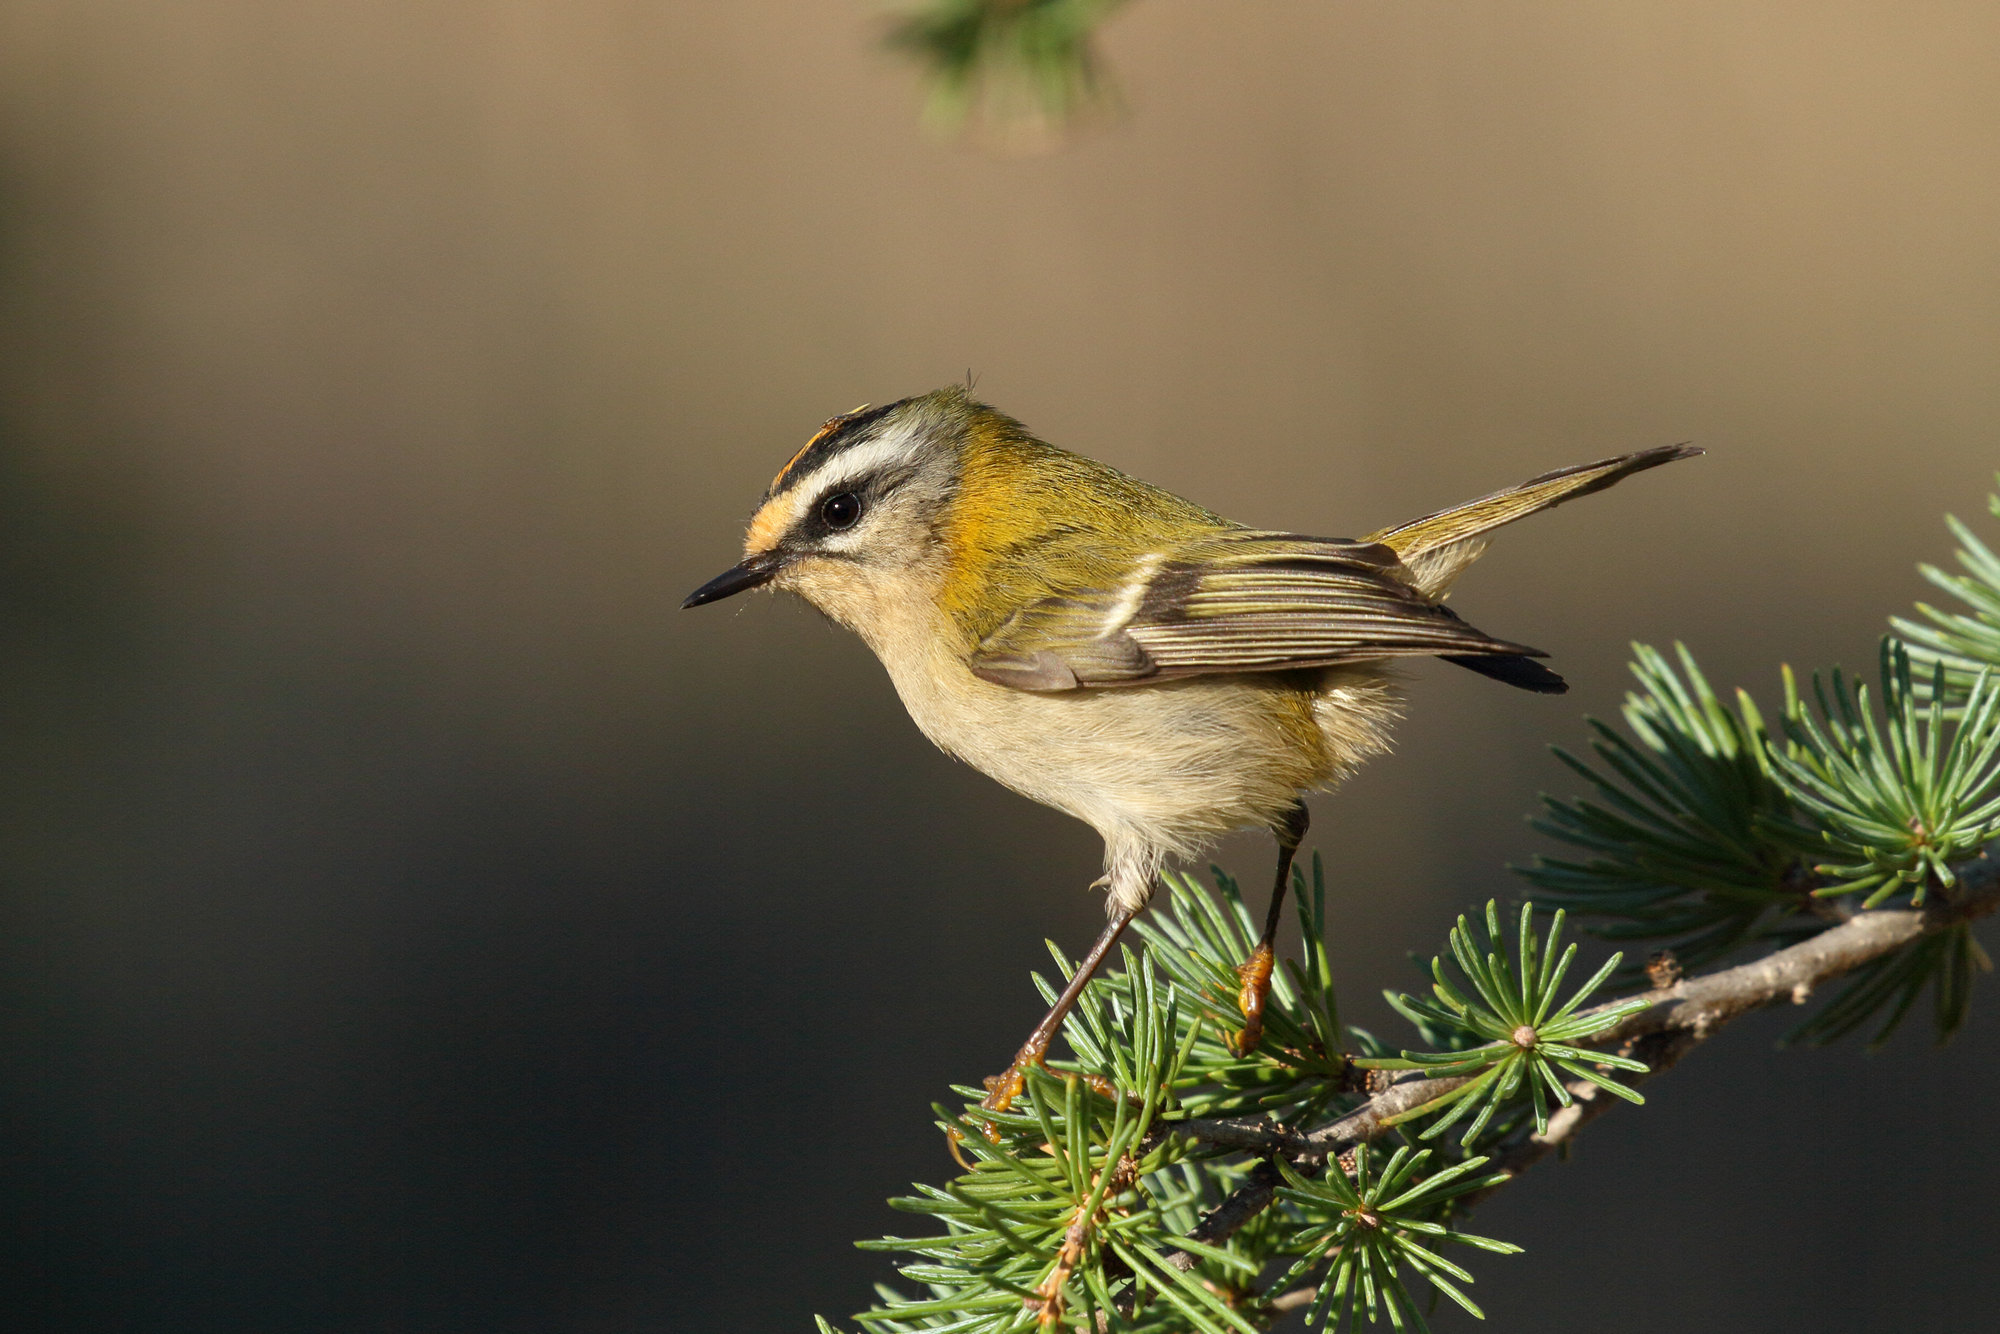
(754, 572)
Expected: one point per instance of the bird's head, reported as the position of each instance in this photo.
(860, 517)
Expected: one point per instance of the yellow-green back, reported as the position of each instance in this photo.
(1030, 521)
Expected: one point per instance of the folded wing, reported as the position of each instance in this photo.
(1242, 601)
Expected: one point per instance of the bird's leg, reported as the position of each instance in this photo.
(1001, 1090)
(1255, 971)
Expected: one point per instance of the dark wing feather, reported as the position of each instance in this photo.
(1521, 673)
(1241, 601)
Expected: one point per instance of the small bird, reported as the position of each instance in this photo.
(1119, 653)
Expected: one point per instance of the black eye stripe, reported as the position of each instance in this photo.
(857, 496)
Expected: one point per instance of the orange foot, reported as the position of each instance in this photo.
(1255, 975)
(1003, 1089)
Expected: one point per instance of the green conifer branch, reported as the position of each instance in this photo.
(1525, 1040)
(1965, 642)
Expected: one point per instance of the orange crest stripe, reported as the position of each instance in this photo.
(822, 435)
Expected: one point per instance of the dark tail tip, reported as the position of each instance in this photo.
(1522, 673)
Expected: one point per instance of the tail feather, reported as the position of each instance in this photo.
(1437, 547)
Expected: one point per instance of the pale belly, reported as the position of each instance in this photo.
(1158, 770)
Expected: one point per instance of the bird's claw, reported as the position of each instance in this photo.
(1001, 1090)
(1255, 975)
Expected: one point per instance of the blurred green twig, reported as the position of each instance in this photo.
(1017, 71)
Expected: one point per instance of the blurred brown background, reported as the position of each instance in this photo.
(412, 922)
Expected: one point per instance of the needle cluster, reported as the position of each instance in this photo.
(1529, 1031)
(1378, 1223)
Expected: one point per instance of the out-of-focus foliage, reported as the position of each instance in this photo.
(1017, 70)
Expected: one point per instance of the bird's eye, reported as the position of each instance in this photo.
(841, 511)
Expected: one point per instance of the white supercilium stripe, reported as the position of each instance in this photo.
(851, 465)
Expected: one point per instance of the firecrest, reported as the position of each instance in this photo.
(1116, 652)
